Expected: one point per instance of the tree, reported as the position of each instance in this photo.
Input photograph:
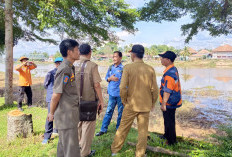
(79, 19)
(213, 16)
(9, 50)
(57, 54)
(45, 54)
(185, 53)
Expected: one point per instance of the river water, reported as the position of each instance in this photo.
(215, 108)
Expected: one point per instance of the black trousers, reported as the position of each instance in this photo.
(170, 125)
(27, 90)
(49, 126)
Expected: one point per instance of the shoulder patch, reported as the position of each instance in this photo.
(66, 77)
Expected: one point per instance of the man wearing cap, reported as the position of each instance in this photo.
(25, 82)
(139, 92)
(48, 85)
(64, 103)
(170, 95)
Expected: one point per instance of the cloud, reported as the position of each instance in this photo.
(123, 34)
(24, 47)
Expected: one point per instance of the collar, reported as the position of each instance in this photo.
(120, 65)
(138, 61)
(169, 67)
(83, 58)
(67, 63)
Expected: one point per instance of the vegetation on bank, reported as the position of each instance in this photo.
(32, 146)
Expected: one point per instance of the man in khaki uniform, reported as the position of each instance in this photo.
(64, 101)
(139, 92)
(91, 91)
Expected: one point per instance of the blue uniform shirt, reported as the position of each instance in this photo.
(48, 84)
(113, 87)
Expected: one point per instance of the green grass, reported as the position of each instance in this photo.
(31, 146)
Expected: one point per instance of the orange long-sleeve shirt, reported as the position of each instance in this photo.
(25, 75)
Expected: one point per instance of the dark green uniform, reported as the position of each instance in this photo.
(66, 114)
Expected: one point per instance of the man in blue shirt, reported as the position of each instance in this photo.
(48, 84)
(113, 76)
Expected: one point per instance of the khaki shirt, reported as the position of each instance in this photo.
(91, 76)
(66, 114)
(138, 88)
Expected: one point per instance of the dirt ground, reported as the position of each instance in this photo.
(186, 125)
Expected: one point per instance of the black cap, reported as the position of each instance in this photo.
(137, 49)
(168, 54)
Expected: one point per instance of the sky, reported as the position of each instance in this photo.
(149, 33)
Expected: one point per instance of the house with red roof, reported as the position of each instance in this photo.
(222, 52)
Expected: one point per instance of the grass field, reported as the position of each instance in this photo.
(31, 146)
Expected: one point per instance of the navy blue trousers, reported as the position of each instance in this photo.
(49, 126)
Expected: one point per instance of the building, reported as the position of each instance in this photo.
(222, 52)
(187, 54)
(203, 54)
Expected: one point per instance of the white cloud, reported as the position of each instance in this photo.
(123, 34)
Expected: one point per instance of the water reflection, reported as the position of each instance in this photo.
(193, 82)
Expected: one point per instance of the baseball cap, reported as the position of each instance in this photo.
(58, 59)
(168, 54)
(137, 49)
(23, 57)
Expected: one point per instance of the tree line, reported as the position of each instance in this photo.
(92, 20)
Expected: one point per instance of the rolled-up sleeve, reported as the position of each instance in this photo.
(124, 85)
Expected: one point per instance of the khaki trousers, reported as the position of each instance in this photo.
(86, 130)
(68, 145)
(128, 117)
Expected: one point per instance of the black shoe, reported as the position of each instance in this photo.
(92, 153)
(100, 133)
(20, 109)
(162, 137)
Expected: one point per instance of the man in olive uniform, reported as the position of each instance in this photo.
(91, 91)
(139, 92)
(65, 103)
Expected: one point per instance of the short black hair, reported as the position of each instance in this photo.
(138, 50)
(85, 49)
(119, 53)
(67, 44)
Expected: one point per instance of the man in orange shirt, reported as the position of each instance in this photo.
(25, 82)
(170, 95)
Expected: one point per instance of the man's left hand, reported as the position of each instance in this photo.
(100, 107)
(163, 107)
(50, 117)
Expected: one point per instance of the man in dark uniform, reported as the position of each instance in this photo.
(48, 85)
(65, 103)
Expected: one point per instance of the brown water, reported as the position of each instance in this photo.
(209, 89)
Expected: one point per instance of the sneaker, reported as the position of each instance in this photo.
(113, 154)
(20, 108)
(45, 141)
(92, 153)
(100, 133)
